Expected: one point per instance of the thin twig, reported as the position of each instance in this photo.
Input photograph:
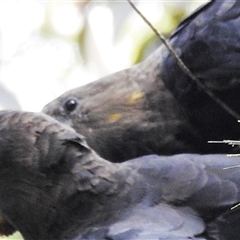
(229, 142)
(185, 69)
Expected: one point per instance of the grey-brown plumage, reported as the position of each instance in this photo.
(154, 107)
(53, 186)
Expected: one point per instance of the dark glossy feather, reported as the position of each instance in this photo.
(53, 186)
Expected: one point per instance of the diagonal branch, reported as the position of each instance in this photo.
(185, 69)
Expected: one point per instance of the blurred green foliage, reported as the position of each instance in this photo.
(15, 236)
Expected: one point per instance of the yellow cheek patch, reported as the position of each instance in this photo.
(136, 97)
(114, 117)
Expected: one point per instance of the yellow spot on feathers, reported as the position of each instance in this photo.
(136, 97)
(114, 117)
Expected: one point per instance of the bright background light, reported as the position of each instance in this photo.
(48, 47)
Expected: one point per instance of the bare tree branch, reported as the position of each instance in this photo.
(185, 69)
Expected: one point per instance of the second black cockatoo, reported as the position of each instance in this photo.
(54, 187)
